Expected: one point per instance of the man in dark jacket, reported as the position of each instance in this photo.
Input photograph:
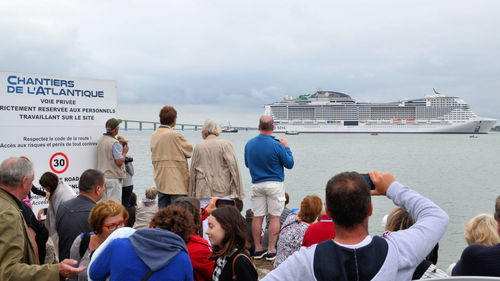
(72, 216)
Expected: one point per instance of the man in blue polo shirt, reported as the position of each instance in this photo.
(265, 157)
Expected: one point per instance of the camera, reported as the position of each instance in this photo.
(128, 159)
(224, 202)
(124, 144)
(368, 180)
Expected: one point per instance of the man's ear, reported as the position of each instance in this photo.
(371, 210)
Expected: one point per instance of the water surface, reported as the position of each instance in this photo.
(458, 173)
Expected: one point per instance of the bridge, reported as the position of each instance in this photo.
(151, 125)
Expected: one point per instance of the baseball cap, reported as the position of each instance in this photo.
(112, 123)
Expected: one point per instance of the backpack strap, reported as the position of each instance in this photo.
(234, 261)
(84, 244)
(146, 277)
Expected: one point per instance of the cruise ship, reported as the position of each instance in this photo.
(336, 112)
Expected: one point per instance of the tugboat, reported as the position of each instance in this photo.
(229, 129)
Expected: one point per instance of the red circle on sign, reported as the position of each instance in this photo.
(65, 158)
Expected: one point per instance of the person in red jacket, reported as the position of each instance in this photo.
(319, 231)
(199, 249)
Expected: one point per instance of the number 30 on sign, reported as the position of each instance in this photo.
(59, 163)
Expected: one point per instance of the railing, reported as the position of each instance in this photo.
(150, 125)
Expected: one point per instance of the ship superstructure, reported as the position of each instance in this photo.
(336, 112)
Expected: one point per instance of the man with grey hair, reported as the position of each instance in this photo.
(17, 255)
(72, 216)
(214, 168)
(265, 157)
(111, 155)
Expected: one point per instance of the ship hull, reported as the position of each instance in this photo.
(478, 126)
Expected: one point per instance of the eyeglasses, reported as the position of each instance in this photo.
(114, 226)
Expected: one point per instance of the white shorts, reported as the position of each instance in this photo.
(268, 198)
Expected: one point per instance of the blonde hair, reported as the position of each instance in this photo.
(482, 229)
(398, 219)
(151, 192)
(210, 128)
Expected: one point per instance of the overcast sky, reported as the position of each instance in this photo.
(211, 56)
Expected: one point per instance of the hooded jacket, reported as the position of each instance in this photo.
(158, 250)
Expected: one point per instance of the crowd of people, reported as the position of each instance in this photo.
(190, 227)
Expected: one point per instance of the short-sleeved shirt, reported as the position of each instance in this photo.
(117, 149)
(82, 261)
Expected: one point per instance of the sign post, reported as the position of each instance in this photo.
(54, 121)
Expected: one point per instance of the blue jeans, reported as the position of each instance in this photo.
(166, 199)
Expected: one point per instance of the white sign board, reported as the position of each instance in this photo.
(55, 122)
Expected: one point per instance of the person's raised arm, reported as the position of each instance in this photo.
(381, 182)
(286, 154)
(185, 146)
(120, 150)
(416, 242)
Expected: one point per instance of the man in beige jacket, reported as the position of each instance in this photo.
(111, 160)
(169, 153)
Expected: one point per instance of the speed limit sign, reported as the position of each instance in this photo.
(59, 162)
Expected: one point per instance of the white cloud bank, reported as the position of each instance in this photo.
(236, 54)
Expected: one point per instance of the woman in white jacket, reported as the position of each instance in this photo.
(59, 192)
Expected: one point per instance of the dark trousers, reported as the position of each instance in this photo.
(126, 194)
(166, 199)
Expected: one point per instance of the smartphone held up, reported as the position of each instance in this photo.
(368, 180)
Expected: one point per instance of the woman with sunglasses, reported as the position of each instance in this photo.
(105, 217)
(228, 234)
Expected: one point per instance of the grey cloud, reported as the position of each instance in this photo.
(253, 53)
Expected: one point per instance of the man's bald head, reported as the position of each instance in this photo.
(266, 123)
